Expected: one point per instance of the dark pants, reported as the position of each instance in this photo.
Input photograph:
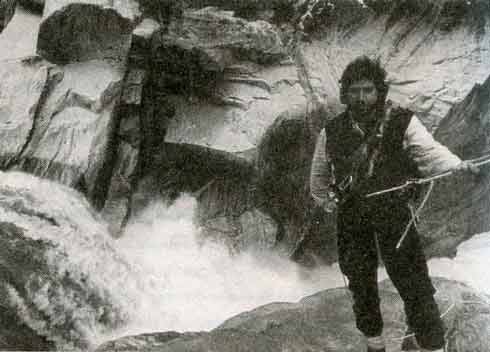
(386, 218)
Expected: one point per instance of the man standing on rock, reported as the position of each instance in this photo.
(372, 146)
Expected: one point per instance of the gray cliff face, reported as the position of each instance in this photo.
(130, 101)
(459, 206)
(434, 51)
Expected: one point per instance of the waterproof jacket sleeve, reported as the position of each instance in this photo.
(430, 156)
(320, 171)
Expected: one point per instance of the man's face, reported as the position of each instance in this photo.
(362, 97)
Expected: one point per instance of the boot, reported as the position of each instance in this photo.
(409, 343)
(376, 344)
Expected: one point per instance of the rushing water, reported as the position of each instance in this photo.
(159, 276)
(198, 285)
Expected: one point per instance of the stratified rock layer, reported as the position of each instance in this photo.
(59, 122)
(23, 85)
(227, 81)
(202, 43)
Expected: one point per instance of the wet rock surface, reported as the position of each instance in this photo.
(325, 321)
(52, 292)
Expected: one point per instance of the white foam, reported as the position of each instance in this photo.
(196, 286)
(199, 285)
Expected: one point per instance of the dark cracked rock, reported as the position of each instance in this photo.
(7, 10)
(194, 51)
(71, 32)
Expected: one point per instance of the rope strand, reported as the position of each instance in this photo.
(482, 160)
(416, 214)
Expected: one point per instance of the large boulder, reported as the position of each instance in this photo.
(262, 123)
(243, 106)
(324, 321)
(23, 85)
(63, 285)
(35, 6)
(19, 38)
(63, 125)
(60, 122)
(227, 82)
(79, 31)
(198, 47)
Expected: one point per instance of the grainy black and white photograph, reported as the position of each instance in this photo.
(245, 175)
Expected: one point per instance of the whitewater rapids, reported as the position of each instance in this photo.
(196, 286)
